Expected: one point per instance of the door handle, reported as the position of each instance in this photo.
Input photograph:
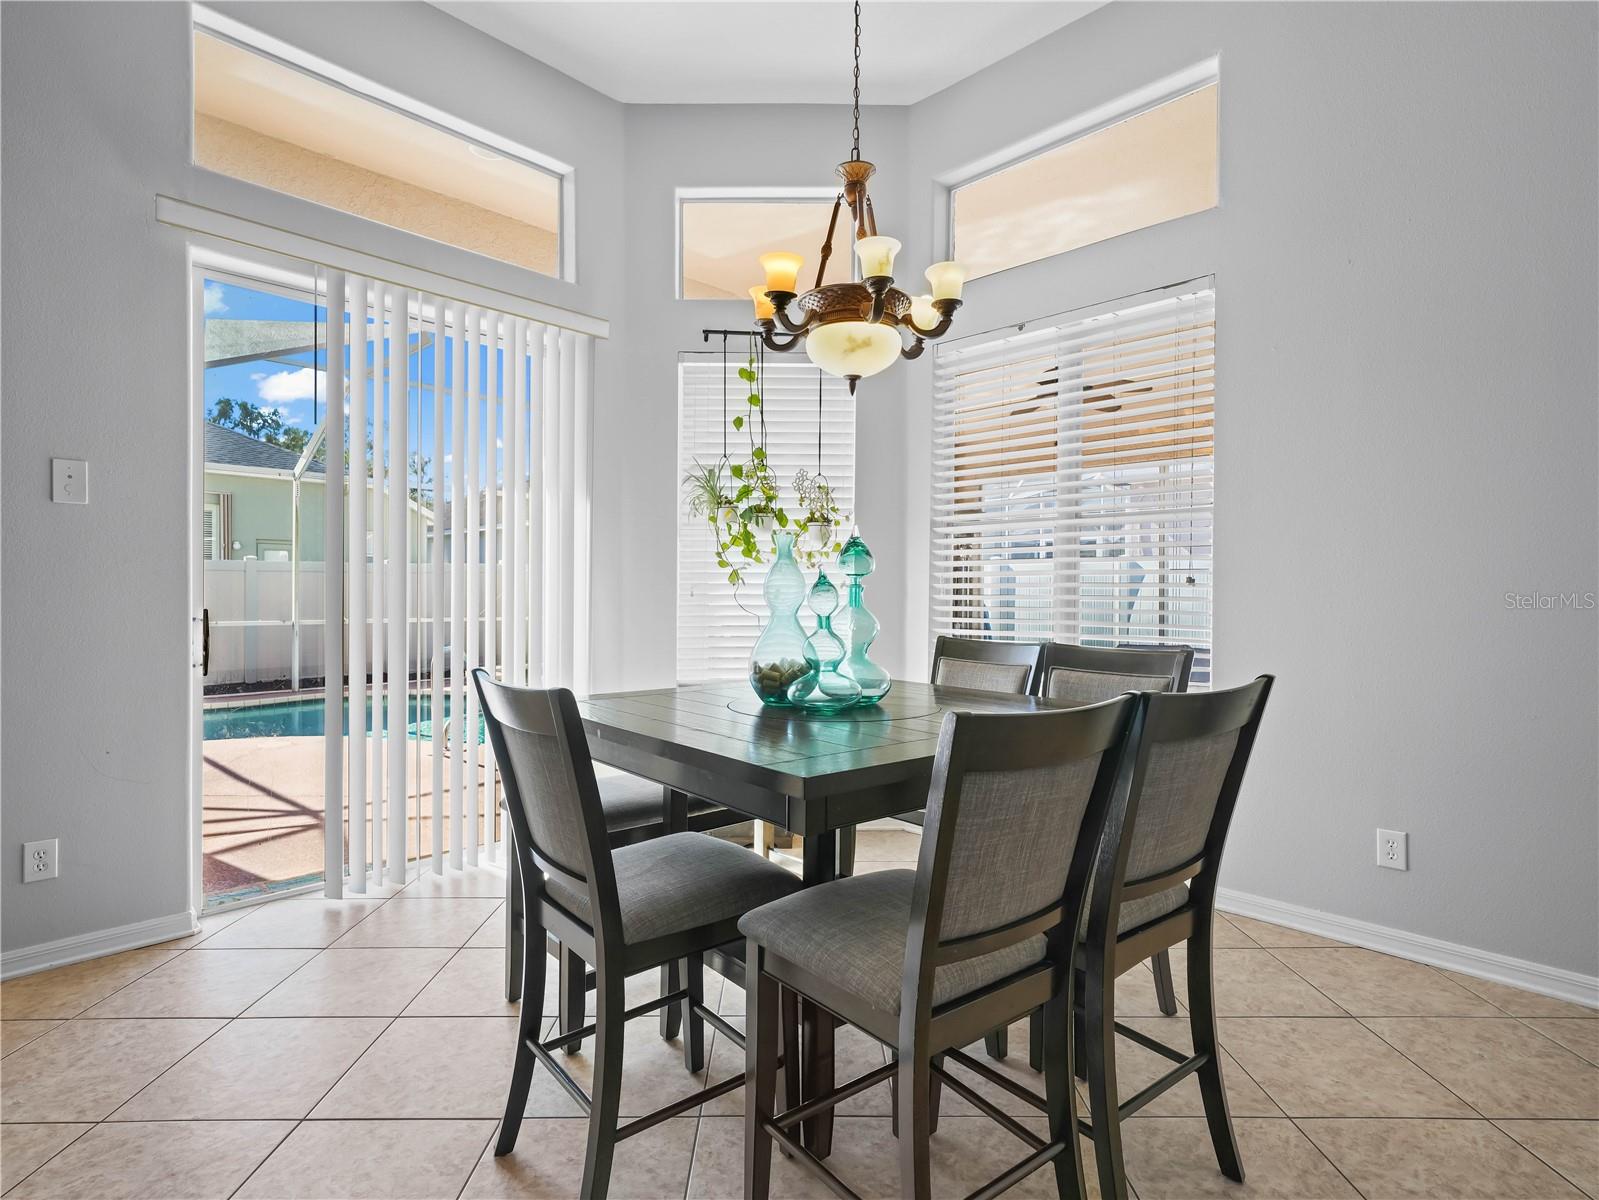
(205, 641)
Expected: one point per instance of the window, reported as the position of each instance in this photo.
(1148, 168)
(272, 549)
(716, 623)
(259, 119)
(1073, 478)
(721, 238)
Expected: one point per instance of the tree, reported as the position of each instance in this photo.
(262, 424)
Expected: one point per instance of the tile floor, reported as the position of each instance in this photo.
(362, 1048)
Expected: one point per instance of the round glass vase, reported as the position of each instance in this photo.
(782, 665)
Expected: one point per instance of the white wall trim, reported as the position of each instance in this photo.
(1482, 964)
(94, 945)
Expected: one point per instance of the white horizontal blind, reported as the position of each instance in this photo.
(1073, 478)
(716, 628)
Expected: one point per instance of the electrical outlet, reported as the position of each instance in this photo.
(39, 861)
(1393, 849)
(69, 481)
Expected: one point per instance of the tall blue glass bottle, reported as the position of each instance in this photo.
(782, 670)
(856, 625)
(834, 691)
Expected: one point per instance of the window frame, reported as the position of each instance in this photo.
(1101, 117)
(245, 37)
(738, 195)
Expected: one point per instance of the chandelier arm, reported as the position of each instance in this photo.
(914, 350)
(871, 213)
(772, 341)
(827, 242)
(791, 325)
(946, 318)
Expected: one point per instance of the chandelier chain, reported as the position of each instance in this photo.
(856, 153)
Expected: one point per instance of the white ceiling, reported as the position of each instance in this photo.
(733, 51)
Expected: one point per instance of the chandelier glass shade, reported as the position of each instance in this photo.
(853, 330)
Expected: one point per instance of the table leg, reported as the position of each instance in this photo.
(816, 1077)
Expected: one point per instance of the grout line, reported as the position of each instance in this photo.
(1326, 1157)
(1378, 1035)
(93, 1125)
(250, 1174)
(1497, 1124)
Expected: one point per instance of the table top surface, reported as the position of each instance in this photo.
(723, 727)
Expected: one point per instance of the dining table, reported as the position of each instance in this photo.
(808, 772)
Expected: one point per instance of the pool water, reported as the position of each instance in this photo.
(304, 718)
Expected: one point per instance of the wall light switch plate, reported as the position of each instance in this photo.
(1393, 849)
(39, 861)
(69, 481)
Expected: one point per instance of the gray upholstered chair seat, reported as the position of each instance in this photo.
(852, 934)
(1145, 909)
(630, 801)
(683, 881)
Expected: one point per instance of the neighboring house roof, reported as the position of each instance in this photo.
(230, 448)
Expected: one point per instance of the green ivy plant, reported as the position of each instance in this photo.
(742, 500)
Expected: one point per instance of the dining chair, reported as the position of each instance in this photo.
(668, 899)
(1154, 887)
(924, 961)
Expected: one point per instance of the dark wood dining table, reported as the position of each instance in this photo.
(809, 773)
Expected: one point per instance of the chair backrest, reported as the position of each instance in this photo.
(1088, 674)
(1017, 805)
(981, 666)
(557, 822)
(1169, 824)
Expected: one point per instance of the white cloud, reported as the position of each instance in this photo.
(214, 303)
(288, 385)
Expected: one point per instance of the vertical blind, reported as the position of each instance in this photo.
(717, 624)
(467, 434)
(1073, 477)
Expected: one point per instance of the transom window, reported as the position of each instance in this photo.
(1074, 477)
(1151, 167)
(722, 235)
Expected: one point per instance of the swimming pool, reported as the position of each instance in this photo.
(304, 718)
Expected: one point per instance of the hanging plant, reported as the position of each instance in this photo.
(819, 526)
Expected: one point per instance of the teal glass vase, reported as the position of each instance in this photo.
(781, 669)
(833, 691)
(857, 626)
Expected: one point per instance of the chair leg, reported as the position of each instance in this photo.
(914, 1084)
(791, 1048)
(760, 1065)
(692, 970)
(609, 1032)
(529, 1027)
(1202, 1026)
(515, 942)
(1035, 1039)
(1060, 1094)
(1165, 993)
(846, 852)
(997, 1042)
(1099, 1049)
(573, 981)
(672, 1014)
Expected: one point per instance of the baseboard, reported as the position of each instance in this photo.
(1483, 964)
(93, 945)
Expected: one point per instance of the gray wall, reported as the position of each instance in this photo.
(95, 697)
(1405, 264)
(1406, 429)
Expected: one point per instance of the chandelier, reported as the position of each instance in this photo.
(853, 330)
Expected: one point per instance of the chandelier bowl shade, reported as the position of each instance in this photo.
(853, 349)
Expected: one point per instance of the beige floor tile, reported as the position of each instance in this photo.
(25, 1148)
(1227, 936)
(719, 1165)
(1368, 984)
(300, 921)
(210, 925)
(1322, 1067)
(1578, 1036)
(16, 1034)
(652, 1075)
(1263, 933)
(491, 933)
(1253, 983)
(203, 983)
(83, 1070)
(1171, 1158)
(163, 1160)
(66, 991)
(450, 1068)
(1013, 1066)
(901, 846)
(434, 922)
(1520, 1003)
(1570, 1147)
(479, 881)
(268, 1069)
(1137, 1068)
(362, 1160)
(472, 984)
(352, 983)
(548, 1163)
(1135, 991)
(1499, 1066)
(1462, 1160)
(854, 1053)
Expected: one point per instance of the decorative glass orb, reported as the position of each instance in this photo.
(856, 348)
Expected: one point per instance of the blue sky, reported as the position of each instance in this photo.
(287, 386)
